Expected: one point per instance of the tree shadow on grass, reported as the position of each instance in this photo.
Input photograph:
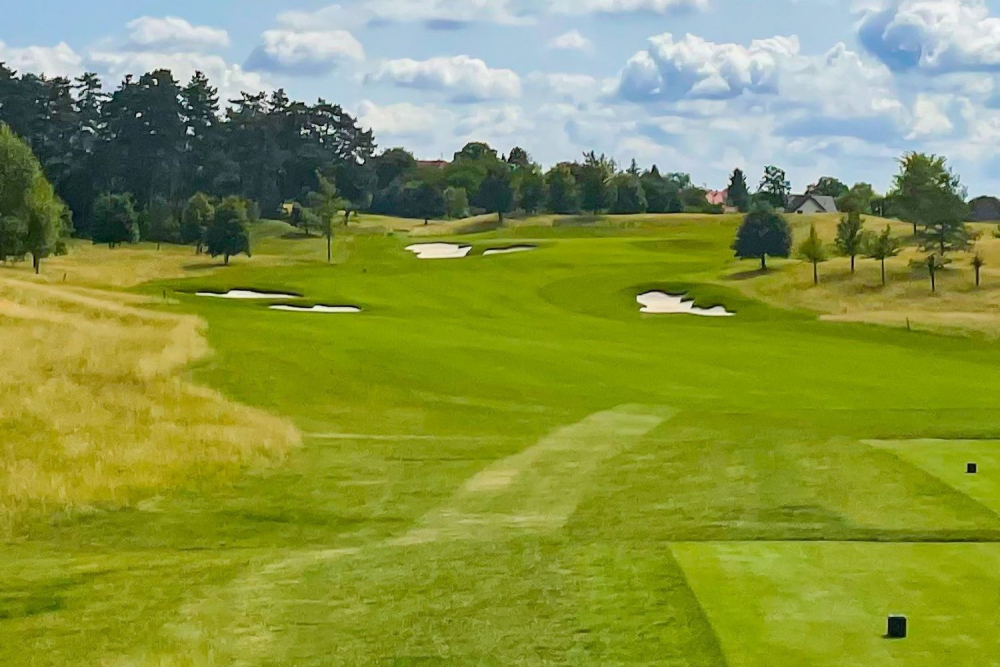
(747, 275)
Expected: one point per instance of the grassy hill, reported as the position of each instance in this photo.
(502, 461)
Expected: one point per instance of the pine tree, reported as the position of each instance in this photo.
(739, 194)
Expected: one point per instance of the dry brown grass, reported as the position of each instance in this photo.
(957, 307)
(94, 410)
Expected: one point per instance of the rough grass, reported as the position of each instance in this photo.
(906, 301)
(478, 486)
(95, 412)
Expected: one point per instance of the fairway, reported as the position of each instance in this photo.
(498, 459)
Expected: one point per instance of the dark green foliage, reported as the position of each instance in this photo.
(456, 202)
(424, 201)
(227, 235)
(662, 195)
(850, 239)
(763, 233)
(564, 196)
(627, 194)
(830, 187)
(593, 179)
(927, 192)
(858, 199)
(115, 220)
(695, 200)
(531, 189)
(739, 194)
(162, 223)
(774, 187)
(158, 140)
(496, 195)
(198, 215)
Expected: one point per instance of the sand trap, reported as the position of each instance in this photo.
(247, 294)
(440, 250)
(510, 250)
(670, 304)
(328, 310)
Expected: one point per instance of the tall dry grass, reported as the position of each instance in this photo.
(94, 410)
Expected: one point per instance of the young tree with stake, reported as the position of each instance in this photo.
(978, 262)
(813, 251)
(327, 204)
(851, 236)
(882, 247)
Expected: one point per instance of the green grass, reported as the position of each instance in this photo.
(504, 463)
(827, 604)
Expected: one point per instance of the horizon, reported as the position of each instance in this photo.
(695, 86)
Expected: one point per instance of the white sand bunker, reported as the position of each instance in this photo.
(327, 310)
(247, 294)
(671, 304)
(440, 250)
(507, 251)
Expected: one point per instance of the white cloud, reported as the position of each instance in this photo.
(625, 6)
(230, 79)
(463, 77)
(933, 35)
(572, 87)
(451, 14)
(403, 119)
(305, 52)
(58, 60)
(499, 121)
(442, 14)
(173, 34)
(672, 69)
(929, 117)
(571, 41)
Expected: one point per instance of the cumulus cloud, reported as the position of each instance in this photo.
(625, 6)
(58, 60)
(403, 119)
(929, 117)
(173, 34)
(304, 52)
(692, 67)
(499, 121)
(464, 78)
(933, 35)
(571, 41)
(570, 87)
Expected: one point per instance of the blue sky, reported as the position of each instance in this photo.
(818, 87)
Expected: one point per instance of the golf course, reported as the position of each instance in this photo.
(497, 458)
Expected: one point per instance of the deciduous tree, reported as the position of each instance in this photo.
(115, 220)
(228, 235)
(850, 239)
(763, 233)
(882, 247)
(813, 251)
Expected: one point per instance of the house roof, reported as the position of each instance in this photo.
(826, 203)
